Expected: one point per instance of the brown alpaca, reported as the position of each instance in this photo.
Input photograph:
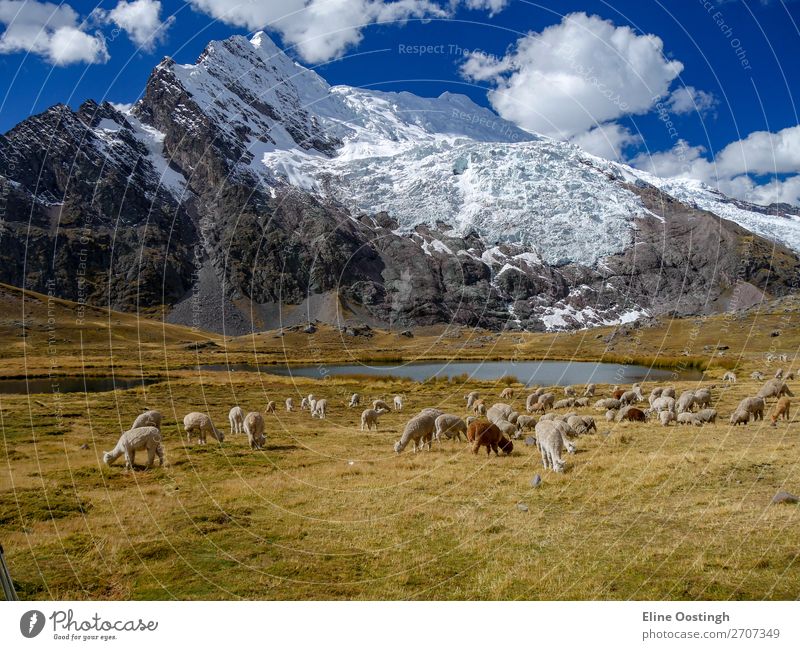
(486, 434)
(618, 393)
(781, 408)
(634, 415)
(270, 407)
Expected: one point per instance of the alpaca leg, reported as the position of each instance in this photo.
(160, 454)
(130, 456)
(151, 454)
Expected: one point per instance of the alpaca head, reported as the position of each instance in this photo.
(108, 458)
(506, 445)
(558, 465)
(398, 447)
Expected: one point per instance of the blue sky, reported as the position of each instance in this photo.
(738, 59)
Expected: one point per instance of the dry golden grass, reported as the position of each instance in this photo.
(327, 511)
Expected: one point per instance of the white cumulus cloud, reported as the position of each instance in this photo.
(739, 168)
(53, 31)
(320, 30)
(688, 99)
(575, 76)
(141, 20)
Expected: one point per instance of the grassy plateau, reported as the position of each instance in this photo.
(327, 511)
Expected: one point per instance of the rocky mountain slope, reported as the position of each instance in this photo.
(243, 192)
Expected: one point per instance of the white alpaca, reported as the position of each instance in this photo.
(471, 397)
(380, 404)
(236, 418)
(147, 419)
(551, 443)
(419, 430)
(320, 409)
(369, 418)
(355, 400)
(289, 404)
(398, 402)
(730, 377)
(135, 440)
(254, 428)
(450, 426)
(270, 408)
(201, 425)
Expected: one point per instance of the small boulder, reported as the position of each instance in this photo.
(522, 507)
(530, 441)
(536, 481)
(785, 497)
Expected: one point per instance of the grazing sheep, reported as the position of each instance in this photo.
(398, 402)
(321, 409)
(729, 377)
(589, 392)
(380, 404)
(369, 418)
(201, 425)
(666, 417)
(663, 403)
(685, 401)
(669, 391)
(654, 395)
(757, 375)
(418, 431)
(581, 401)
(632, 414)
(740, 417)
(569, 391)
(781, 409)
(550, 441)
(147, 419)
(754, 406)
(611, 415)
(689, 418)
(779, 373)
(507, 393)
(531, 401)
(135, 440)
(236, 418)
(547, 399)
(607, 403)
(582, 424)
(548, 416)
(449, 426)
(526, 423)
(304, 404)
(254, 428)
(270, 407)
(702, 397)
(355, 400)
(774, 388)
(567, 403)
(479, 408)
(289, 404)
(471, 397)
(489, 435)
(311, 401)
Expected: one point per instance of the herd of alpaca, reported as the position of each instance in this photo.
(492, 427)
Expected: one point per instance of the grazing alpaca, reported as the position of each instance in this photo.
(355, 400)
(201, 425)
(270, 407)
(487, 434)
(780, 410)
(135, 440)
(507, 393)
(320, 409)
(289, 404)
(147, 419)
(254, 428)
(450, 426)
(419, 431)
(236, 418)
(369, 418)
(398, 402)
